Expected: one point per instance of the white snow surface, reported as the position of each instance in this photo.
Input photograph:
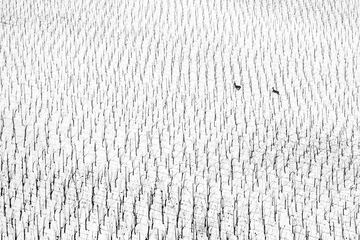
(120, 120)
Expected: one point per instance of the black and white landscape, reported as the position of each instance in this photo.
(194, 119)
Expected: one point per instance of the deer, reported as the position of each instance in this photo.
(275, 91)
(237, 87)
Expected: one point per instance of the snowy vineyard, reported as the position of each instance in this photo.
(120, 119)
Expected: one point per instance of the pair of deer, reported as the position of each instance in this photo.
(238, 87)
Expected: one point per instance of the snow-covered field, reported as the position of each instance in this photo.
(120, 120)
